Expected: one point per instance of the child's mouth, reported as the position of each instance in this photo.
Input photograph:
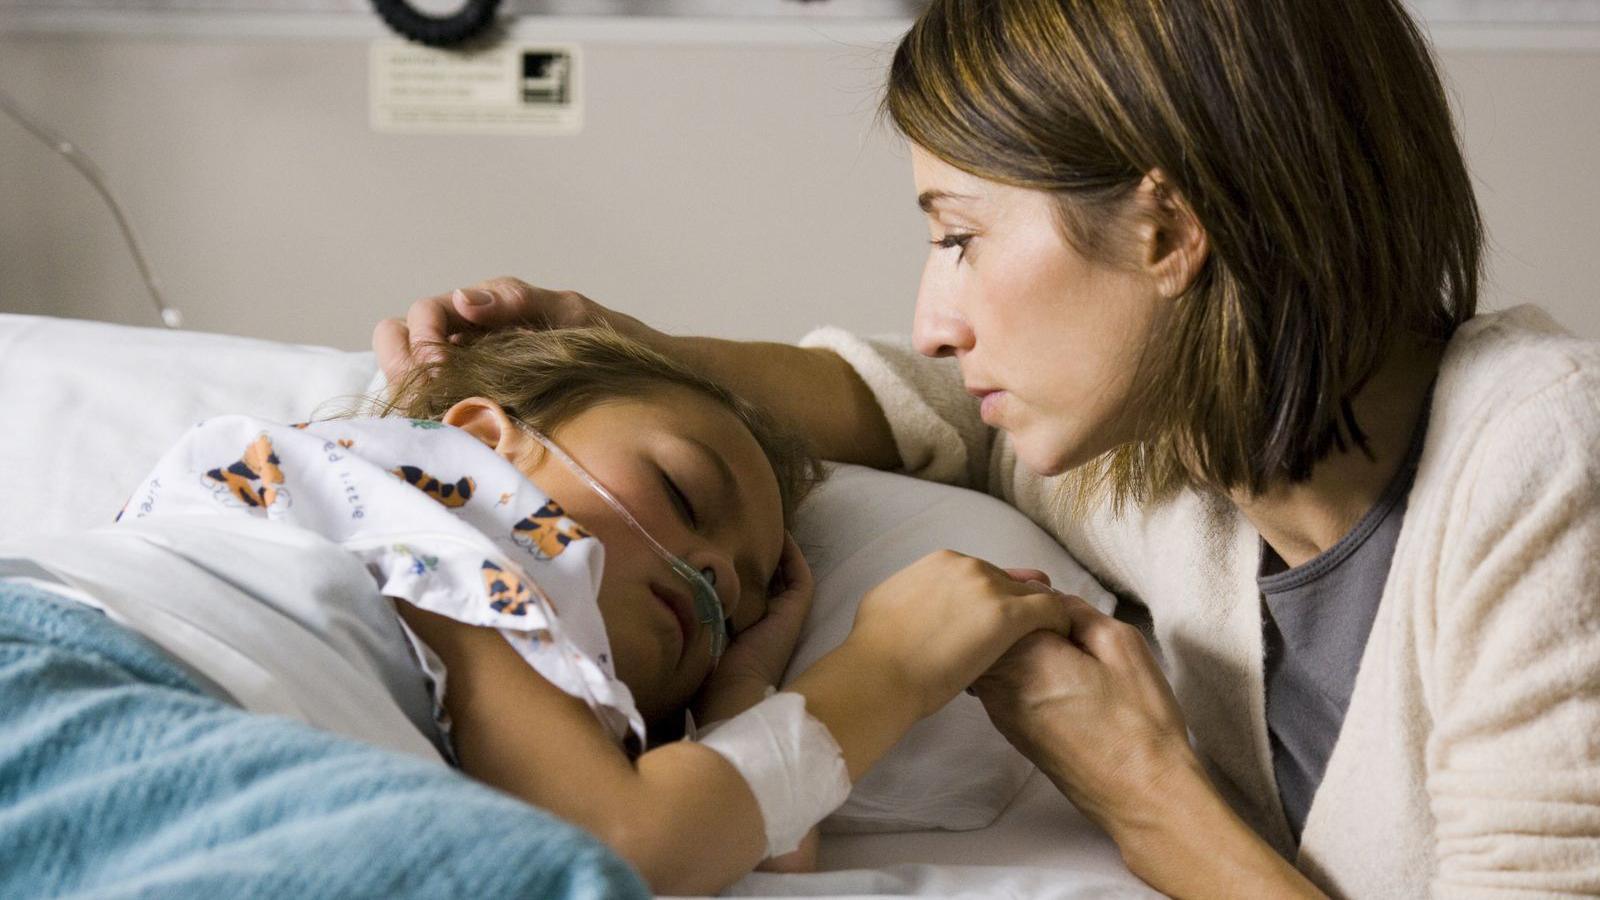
(678, 605)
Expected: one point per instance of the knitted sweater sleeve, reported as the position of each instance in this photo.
(1513, 757)
(934, 420)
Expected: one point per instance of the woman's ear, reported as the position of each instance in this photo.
(1175, 244)
(487, 421)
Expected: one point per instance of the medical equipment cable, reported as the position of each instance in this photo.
(170, 316)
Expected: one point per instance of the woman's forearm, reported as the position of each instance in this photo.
(1192, 844)
(810, 389)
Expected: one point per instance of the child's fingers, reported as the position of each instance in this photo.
(796, 571)
(1026, 575)
(1029, 606)
(1045, 610)
(1100, 635)
(793, 599)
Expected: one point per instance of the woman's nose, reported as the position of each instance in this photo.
(937, 329)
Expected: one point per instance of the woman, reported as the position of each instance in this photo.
(1208, 271)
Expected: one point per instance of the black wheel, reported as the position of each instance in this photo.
(459, 27)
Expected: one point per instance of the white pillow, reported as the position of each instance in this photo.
(953, 770)
(89, 407)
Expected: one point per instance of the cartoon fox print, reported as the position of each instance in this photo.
(452, 494)
(254, 480)
(507, 593)
(543, 533)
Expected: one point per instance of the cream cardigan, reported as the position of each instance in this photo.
(1469, 760)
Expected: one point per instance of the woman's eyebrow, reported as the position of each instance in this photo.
(927, 200)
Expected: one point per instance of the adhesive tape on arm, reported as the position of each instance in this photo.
(791, 762)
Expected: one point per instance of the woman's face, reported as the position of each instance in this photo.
(1050, 339)
(696, 480)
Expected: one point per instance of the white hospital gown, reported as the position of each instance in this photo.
(438, 518)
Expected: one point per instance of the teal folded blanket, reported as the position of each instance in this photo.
(120, 777)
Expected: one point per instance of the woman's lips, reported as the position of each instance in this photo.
(989, 405)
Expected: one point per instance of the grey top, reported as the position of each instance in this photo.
(1315, 622)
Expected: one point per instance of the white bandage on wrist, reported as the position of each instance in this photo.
(791, 762)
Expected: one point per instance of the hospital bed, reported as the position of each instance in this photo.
(953, 811)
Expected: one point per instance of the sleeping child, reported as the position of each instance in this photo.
(547, 546)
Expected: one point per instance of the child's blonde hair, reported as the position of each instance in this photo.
(545, 377)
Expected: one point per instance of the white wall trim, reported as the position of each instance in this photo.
(211, 25)
(224, 25)
(1480, 36)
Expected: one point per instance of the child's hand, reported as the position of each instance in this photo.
(945, 619)
(756, 657)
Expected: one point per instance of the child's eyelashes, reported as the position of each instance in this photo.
(680, 501)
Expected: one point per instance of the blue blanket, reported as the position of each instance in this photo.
(120, 777)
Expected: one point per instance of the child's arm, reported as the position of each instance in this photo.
(683, 815)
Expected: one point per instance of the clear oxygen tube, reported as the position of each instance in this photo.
(707, 605)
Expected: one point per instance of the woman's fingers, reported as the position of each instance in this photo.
(432, 320)
(391, 343)
(443, 318)
(505, 302)
(495, 303)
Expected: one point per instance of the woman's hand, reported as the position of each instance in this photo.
(919, 638)
(1094, 712)
(945, 619)
(485, 306)
(756, 659)
(1096, 715)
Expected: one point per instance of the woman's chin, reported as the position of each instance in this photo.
(1040, 457)
(1049, 455)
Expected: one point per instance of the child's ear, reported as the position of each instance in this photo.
(487, 421)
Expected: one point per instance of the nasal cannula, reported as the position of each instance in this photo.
(707, 605)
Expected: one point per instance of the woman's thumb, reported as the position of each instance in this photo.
(466, 298)
(495, 304)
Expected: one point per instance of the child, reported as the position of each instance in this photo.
(532, 584)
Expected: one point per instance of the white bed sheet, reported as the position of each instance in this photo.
(1040, 847)
(86, 408)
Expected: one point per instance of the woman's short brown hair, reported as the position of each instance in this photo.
(545, 377)
(1313, 143)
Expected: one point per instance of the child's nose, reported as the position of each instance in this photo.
(718, 570)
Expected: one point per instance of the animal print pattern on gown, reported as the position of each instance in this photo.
(439, 519)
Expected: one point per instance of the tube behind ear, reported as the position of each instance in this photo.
(458, 27)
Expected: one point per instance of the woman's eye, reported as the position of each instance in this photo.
(680, 501)
(954, 240)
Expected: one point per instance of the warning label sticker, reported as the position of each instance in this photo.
(527, 89)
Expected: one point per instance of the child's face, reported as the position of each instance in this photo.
(695, 478)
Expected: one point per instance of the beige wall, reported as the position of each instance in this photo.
(735, 190)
